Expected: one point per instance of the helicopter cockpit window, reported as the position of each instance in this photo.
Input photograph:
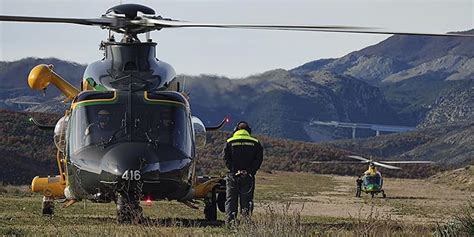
(375, 179)
(163, 124)
(95, 124)
(157, 124)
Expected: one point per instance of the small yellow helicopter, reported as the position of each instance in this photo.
(372, 181)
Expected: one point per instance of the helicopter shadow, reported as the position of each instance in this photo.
(406, 198)
(161, 222)
(181, 222)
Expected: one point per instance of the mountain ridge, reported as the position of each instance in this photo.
(394, 82)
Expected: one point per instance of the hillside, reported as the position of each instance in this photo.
(403, 57)
(16, 95)
(451, 145)
(462, 178)
(412, 72)
(403, 80)
(27, 152)
(292, 101)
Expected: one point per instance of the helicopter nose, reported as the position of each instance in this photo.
(126, 157)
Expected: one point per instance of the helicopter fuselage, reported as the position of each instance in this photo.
(147, 140)
(144, 140)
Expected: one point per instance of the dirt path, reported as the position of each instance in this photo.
(407, 200)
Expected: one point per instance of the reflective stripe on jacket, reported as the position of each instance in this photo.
(242, 135)
(243, 152)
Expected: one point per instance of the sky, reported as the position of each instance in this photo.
(232, 53)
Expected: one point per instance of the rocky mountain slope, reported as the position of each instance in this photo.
(281, 104)
(455, 105)
(404, 57)
(413, 72)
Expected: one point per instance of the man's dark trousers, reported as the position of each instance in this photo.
(239, 188)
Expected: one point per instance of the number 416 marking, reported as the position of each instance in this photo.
(132, 175)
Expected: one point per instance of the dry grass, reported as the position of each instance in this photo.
(462, 223)
(275, 215)
(275, 221)
(376, 224)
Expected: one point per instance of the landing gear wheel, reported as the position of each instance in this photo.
(210, 207)
(128, 209)
(47, 206)
(383, 194)
(372, 195)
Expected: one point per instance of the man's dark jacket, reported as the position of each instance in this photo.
(243, 152)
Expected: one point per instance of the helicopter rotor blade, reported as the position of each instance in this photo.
(170, 23)
(360, 158)
(98, 21)
(386, 166)
(407, 162)
(337, 162)
(146, 23)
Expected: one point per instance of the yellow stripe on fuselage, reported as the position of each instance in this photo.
(164, 101)
(74, 105)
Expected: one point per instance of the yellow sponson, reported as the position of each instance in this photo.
(201, 190)
(41, 75)
(48, 186)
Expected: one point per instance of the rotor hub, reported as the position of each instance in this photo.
(129, 10)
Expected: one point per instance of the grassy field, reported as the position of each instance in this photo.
(288, 204)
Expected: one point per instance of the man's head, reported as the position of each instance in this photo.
(103, 118)
(243, 125)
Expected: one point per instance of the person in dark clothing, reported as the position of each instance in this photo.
(243, 155)
(359, 186)
(100, 130)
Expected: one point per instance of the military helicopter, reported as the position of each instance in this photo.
(129, 134)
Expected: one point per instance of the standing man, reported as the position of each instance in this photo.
(359, 186)
(243, 155)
